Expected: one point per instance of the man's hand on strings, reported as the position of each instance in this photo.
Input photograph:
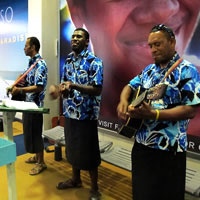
(15, 90)
(8, 90)
(144, 111)
(122, 110)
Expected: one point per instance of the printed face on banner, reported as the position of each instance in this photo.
(119, 31)
(119, 28)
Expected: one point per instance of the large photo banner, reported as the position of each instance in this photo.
(118, 35)
(13, 33)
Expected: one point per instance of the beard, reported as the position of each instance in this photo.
(163, 60)
(78, 48)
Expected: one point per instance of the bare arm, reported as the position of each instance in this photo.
(23, 90)
(178, 113)
(64, 88)
(9, 89)
(145, 111)
(85, 89)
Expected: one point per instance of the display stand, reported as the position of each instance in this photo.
(8, 117)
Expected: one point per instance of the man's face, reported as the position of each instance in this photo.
(28, 50)
(78, 41)
(162, 48)
(119, 35)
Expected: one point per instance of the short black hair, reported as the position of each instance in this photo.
(36, 42)
(167, 30)
(87, 35)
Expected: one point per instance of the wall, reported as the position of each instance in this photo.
(43, 23)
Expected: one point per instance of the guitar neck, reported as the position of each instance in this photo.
(136, 102)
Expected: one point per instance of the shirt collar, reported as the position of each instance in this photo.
(173, 60)
(32, 60)
(82, 54)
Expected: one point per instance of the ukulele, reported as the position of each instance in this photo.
(133, 125)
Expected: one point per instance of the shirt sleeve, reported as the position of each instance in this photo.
(41, 74)
(135, 82)
(64, 73)
(96, 73)
(190, 91)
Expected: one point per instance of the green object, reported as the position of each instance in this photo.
(38, 110)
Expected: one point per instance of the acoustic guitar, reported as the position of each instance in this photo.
(133, 125)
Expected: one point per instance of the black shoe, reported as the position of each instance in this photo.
(95, 195)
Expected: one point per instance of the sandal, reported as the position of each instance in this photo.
(68, 184)
(31, 160)
(39, 167)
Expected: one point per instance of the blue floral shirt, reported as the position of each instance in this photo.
(86, 69)
(183, 88)
(37, 76)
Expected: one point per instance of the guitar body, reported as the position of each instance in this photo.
(133, 125)
(130, 129)
(19, 97)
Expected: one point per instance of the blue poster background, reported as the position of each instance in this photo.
(13, 33)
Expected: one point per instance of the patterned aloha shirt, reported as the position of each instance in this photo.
(86, 69)
(183, 88)
(37, 76)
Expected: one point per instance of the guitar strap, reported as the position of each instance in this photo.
(172, 68)
(21, 77)
(139, 97)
